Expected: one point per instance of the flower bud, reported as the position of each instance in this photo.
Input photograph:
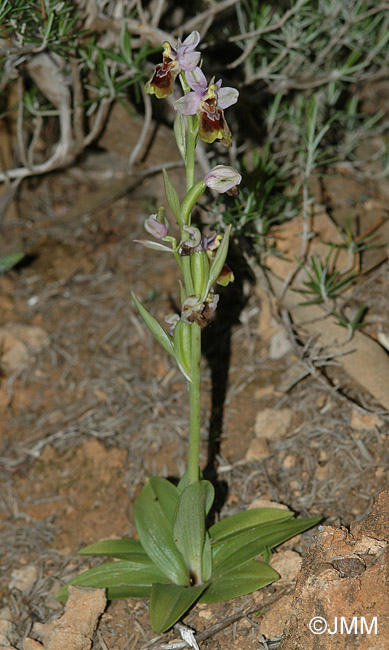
(157, 224)
(199, 266)
(222, 178)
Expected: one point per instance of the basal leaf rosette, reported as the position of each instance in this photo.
(177, 562)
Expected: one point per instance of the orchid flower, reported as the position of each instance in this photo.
(225, 276)
(222, 178)
(211, 242)
(194, 240)
(208, 101)
(190, 307)
(183, 57)
(172, 320)
(195, 311)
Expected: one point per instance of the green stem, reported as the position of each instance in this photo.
(178, 259)
(194, 385)
(194, 406)
(190, 152)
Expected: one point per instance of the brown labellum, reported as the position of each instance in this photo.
(233, 191)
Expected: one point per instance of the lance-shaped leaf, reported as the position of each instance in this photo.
(172, 196)
(218, 261)
(121, 579)
(232, 552)
(189, 527)
(247, 519)
(125, 549)
(251, 576)
(154, 511)
(155, 328)
(169, 602)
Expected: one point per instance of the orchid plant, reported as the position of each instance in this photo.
(176, 560)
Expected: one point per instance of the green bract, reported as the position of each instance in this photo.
(155, 328)
(218, 262)
(183, 347)
(172, 196)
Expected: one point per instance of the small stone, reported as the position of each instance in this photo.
(280, 345)
(74, 629)
(321, 472)
(31, 644)
(265, 391)
(18, 343)
(258, 449)
(323, 456)
(364, 421)
(289, 461)
(24, 578)
(273, 424)
(206, 614)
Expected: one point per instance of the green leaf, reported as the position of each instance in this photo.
(206, 560)
(251, 576)
(172, 196)
(218, 262)
(169, 602)
(189, 526)
(155, 328)
(154, 512)
(7, 262)
(247, 519)
(233, 552)
(121, 579)
(125, 549)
